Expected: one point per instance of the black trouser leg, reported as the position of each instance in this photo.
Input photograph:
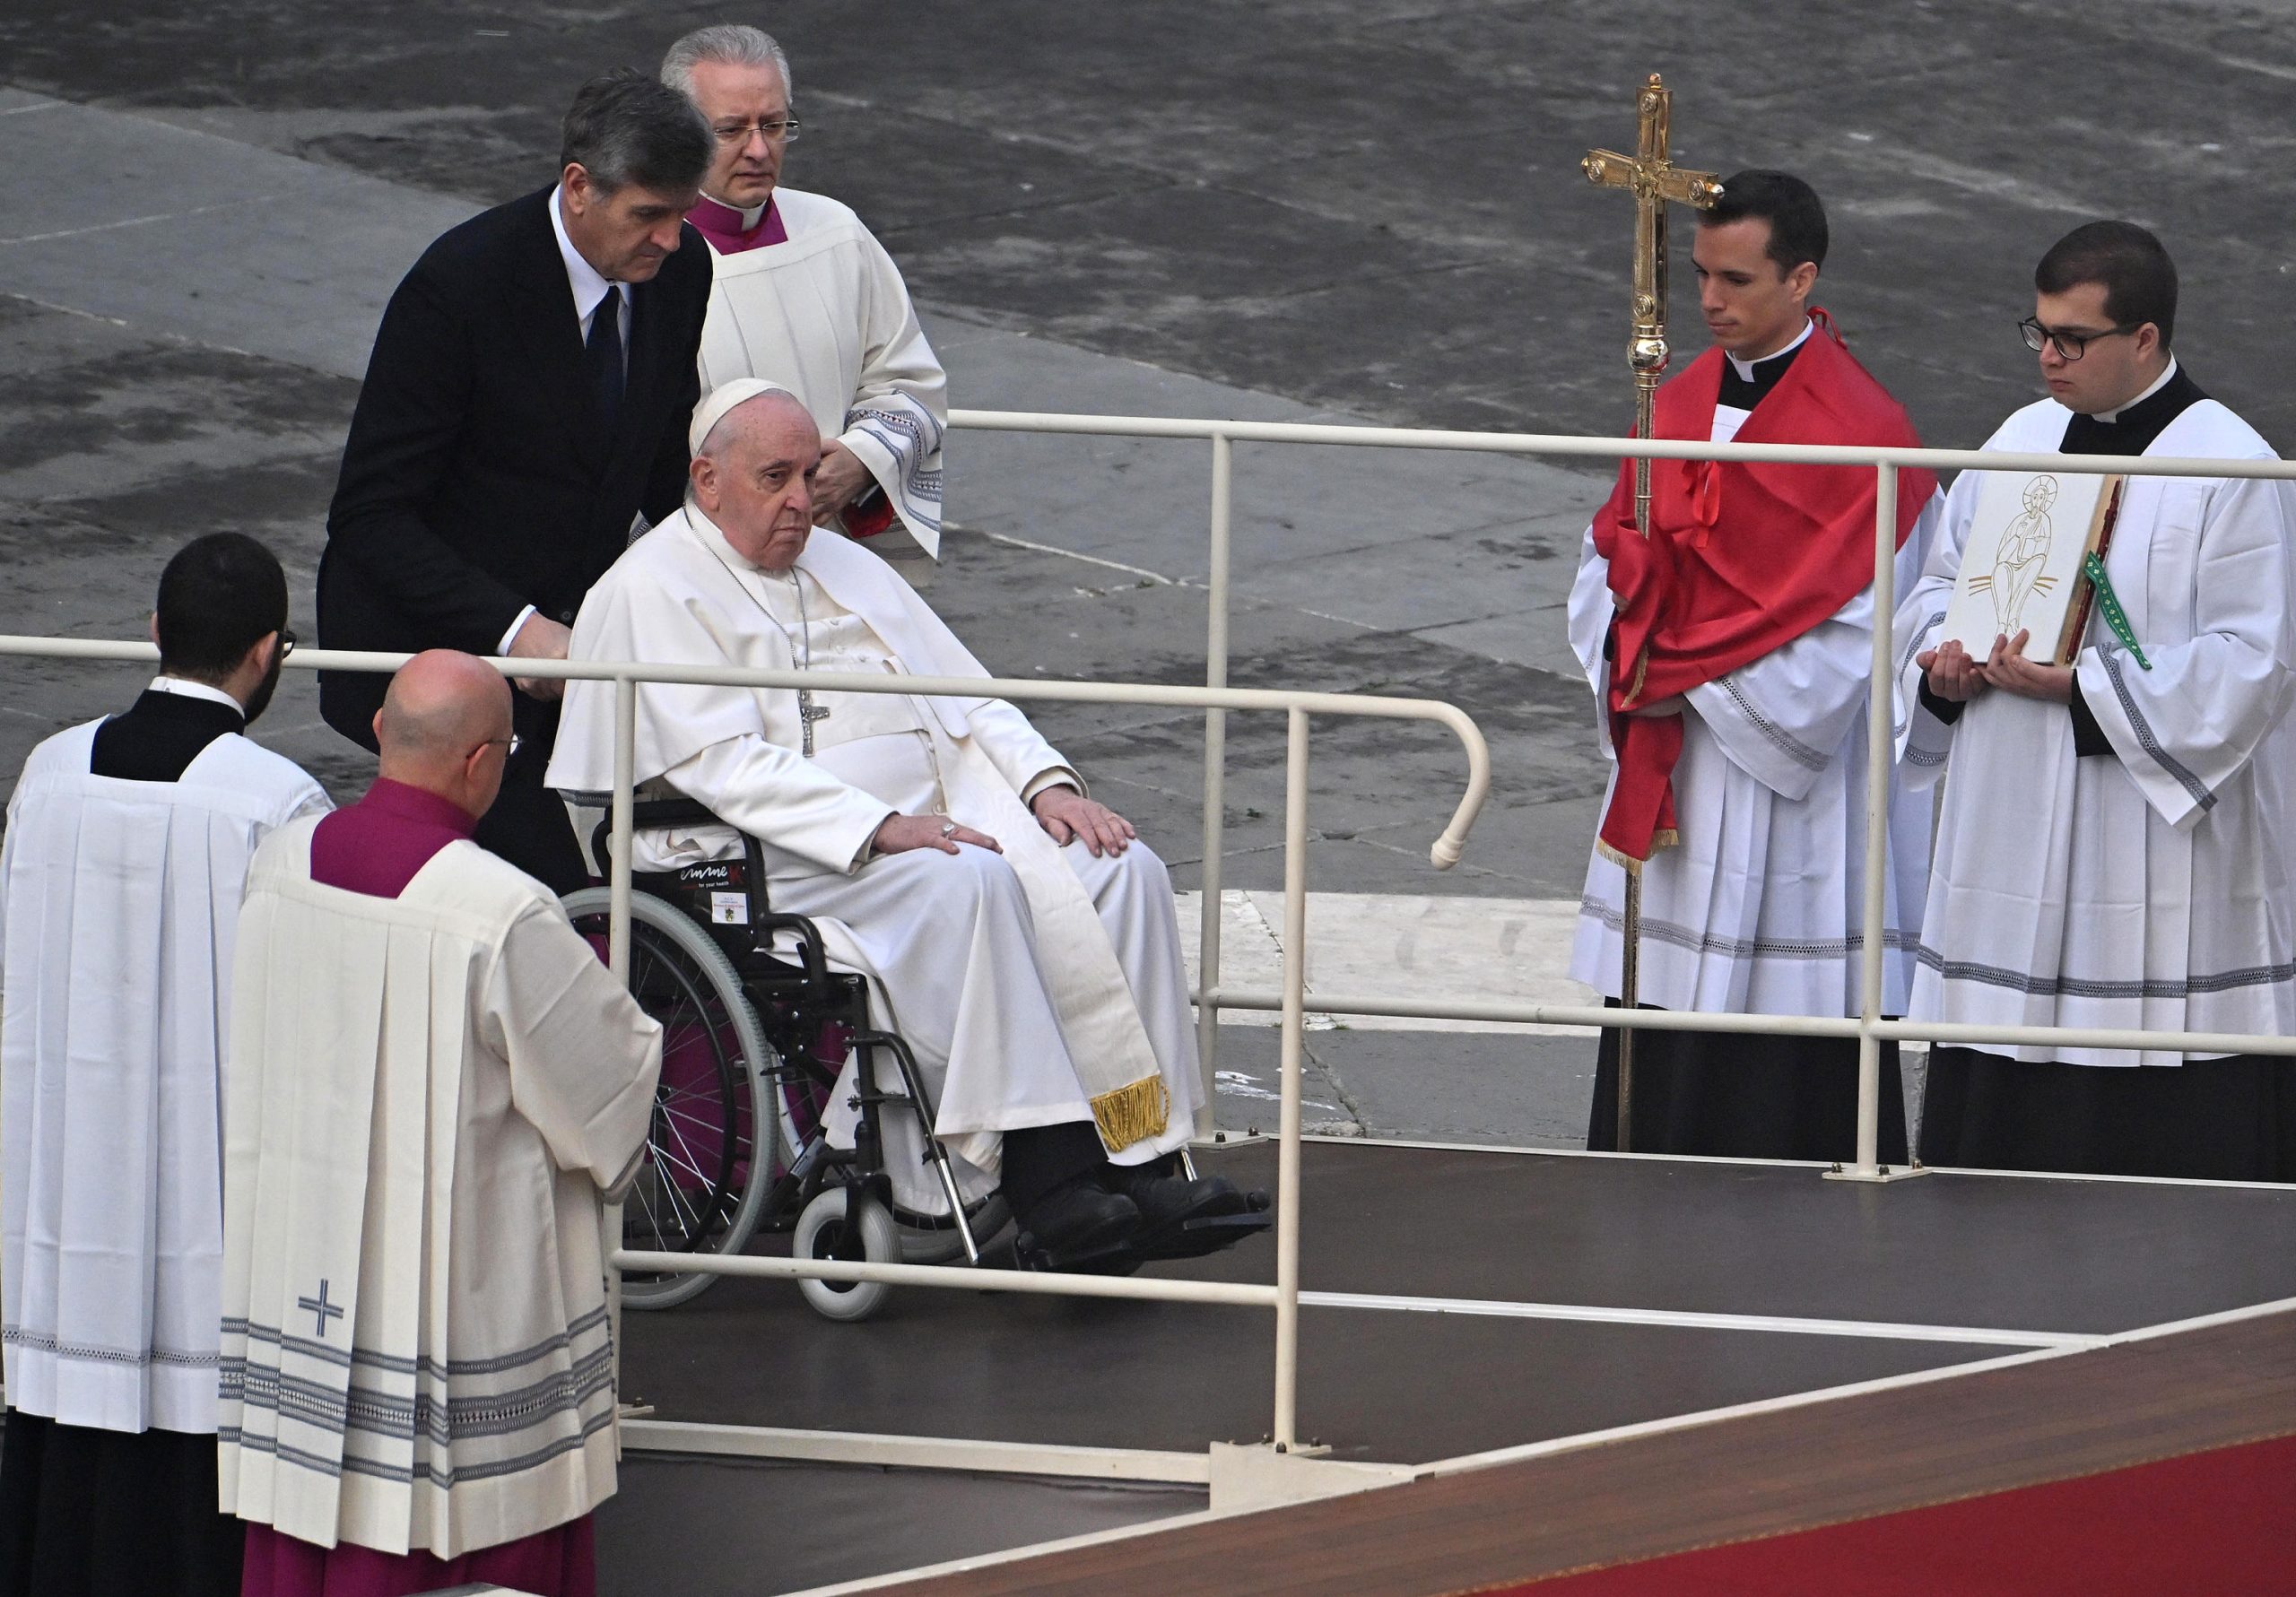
(1038, 1159)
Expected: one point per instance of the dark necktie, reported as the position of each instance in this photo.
(604, 351)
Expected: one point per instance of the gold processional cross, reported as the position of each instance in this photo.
(1655, 181)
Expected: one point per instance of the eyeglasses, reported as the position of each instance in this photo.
(2070, 346)
(780, 131)
(286, 643)
(509, 745)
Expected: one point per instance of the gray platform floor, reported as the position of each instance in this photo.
(684, 1526)
(1999, 1253)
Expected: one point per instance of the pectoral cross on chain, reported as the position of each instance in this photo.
(321, 1310)
(808, 712)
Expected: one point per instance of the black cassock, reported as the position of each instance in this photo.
(1733, 1095)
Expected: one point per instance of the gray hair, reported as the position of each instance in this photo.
(731, 44)
(625, 128)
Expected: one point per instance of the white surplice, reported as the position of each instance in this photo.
(826, 314)
(1030, 985)
(120, 901)
(2149, 887)
(429, 1093)
(1760, 909)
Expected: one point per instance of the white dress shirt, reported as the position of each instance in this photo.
(590, 292)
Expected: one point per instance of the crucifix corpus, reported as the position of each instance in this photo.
(808, 712)
(1654, 180)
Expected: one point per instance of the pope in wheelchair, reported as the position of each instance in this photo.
(1017, 942)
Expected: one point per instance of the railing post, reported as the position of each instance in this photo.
(617, 864)
(1215, 785)
(1287, 1152)
(1881, 761)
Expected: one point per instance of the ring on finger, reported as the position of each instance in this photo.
(948, 827)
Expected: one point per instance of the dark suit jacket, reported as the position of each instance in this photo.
(479, 477)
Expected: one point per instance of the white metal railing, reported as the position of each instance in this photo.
(1284, 1295)
(1217, 699)
(1869, 1028)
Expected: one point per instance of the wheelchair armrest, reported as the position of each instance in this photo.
(672, 811)
(809, 949)
(684, 811)
(646, 813)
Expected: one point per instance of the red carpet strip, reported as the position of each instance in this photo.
(2220, 1522)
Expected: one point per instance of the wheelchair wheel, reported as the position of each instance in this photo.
(822, 1231)
(803, 1097)
(710, 1151)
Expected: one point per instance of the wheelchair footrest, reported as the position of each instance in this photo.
(1122, 1259)
(1192, 1239)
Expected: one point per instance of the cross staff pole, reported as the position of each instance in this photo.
(1654, 180)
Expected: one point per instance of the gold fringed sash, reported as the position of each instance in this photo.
(1133, 1113)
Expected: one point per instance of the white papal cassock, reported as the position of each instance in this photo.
(1759, 910)
(826, 314)
(429, 1093)
(1036, 987)
(121, 897)
(2148, 887)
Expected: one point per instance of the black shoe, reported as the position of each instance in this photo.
(1182, 1219)
(1079, 1217)
(1168, 1200)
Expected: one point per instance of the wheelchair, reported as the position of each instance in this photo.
(757, 1028)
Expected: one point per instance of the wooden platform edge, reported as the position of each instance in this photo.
(1796, 1469)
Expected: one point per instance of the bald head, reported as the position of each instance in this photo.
(445, 727)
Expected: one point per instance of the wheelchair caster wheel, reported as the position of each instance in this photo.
(821, 1234)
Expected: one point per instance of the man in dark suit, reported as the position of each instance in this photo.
(524, 412)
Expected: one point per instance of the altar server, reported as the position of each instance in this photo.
(807, 297)
(128, 847)
(434, 1080)
(1022, 941)
(1729, 655)
(2113, 841)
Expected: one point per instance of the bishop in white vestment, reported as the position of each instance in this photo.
(1039, 985)
(805, 297)
(2113, 840)
(434, 1081)
(127, 849)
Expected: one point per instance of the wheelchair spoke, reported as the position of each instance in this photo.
(645, 1194)
(673, 1149)
(704, 1126)
(677, 1237)
(691, 1218)
(704, 1137)
(689, 1163)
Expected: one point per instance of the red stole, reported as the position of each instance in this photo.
(1742, 558)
